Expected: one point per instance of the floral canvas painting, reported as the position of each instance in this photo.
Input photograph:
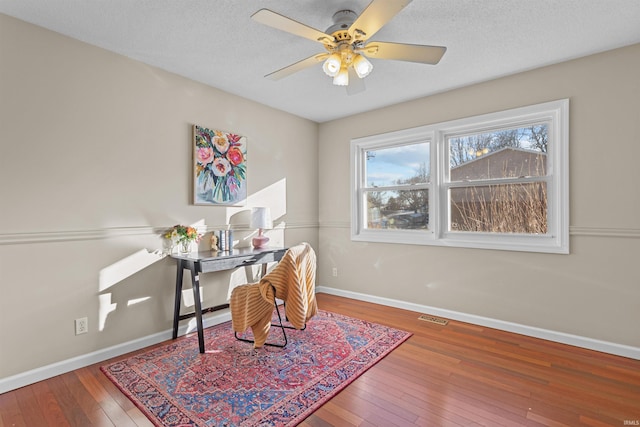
(220, 167)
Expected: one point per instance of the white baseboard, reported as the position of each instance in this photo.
(532, 331)
(44, 372)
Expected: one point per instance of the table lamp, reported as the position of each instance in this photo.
(260, 219)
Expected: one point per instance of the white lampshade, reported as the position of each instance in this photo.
(342, 78)
(261, 218)
(362, 66)
(331, 66)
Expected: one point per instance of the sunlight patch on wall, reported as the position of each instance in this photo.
(274, 197)
(137, 301)
(126, 267)
(187, 297)
(239, 277)
(104, 309)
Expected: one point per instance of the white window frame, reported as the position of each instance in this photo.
(554, 113)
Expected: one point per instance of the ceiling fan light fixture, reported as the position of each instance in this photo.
(331, 66)
(362, 66)
(347, 45)
(342, 78)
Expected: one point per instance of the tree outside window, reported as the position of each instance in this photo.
(504, 174)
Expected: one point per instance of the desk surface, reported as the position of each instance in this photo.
(236, 252)
(210, 261)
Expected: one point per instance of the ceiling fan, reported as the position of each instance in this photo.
(347, 43)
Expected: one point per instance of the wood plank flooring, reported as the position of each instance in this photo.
(454, 375)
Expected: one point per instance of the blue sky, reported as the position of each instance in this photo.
(391, 164)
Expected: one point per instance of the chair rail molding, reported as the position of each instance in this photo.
(605, 232)
(116, 232)
(27, 237)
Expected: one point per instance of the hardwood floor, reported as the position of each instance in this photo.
(453, 375)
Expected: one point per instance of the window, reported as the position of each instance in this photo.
(496, 181)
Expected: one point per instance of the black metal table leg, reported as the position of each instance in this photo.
(195, 284)
(178, 299)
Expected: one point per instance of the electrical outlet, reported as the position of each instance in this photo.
(82, 326)
(335, 271)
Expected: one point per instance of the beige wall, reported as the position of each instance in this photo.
(95, 160)
(595, 291)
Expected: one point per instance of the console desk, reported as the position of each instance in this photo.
(207, 262)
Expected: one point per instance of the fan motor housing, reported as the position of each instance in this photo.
(342, 21)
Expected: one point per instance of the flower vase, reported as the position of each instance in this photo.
(167, 246)
(185, 246)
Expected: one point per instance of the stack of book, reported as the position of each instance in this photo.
(225, 239)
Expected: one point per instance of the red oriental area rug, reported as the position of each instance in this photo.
(233, 384)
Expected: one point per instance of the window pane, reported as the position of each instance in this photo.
(406, 209)
(406, 164)
(513, 208)
(510, 153)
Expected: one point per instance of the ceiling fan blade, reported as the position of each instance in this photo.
(298, 66)
(356, 84)
(404, 52)
(374, 17)
(280, 22)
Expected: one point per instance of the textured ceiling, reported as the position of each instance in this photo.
(215, 42)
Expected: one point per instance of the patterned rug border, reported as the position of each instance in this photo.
(153, 418)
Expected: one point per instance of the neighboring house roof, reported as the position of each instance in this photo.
(506, 162)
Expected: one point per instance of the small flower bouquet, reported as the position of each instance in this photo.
(183, 235)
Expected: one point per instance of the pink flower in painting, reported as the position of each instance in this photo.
(221, 143)
(233, 138)
(234, 155)
(221, 166)
(205, 155)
